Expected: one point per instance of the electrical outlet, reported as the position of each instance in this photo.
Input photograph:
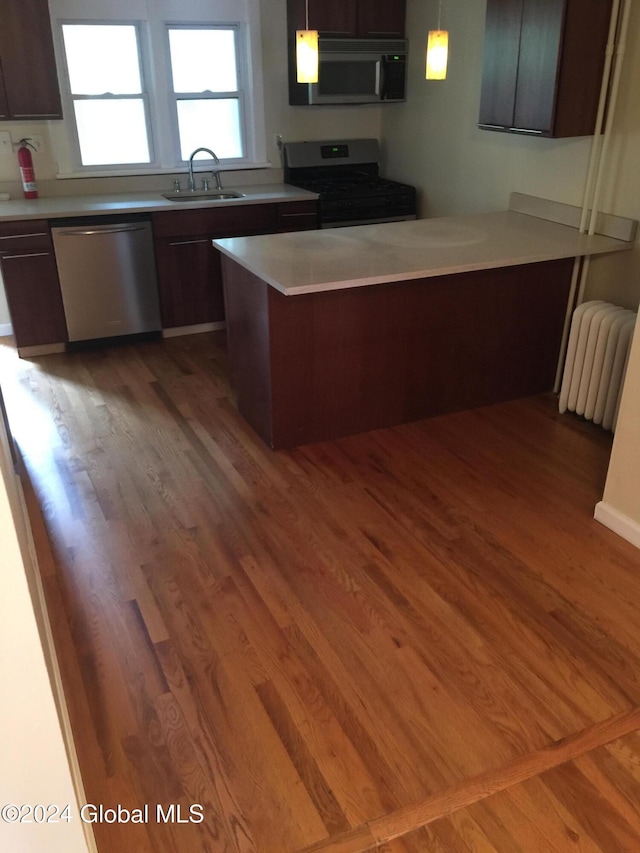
(37, 143)
(5, 142)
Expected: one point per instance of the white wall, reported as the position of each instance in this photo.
(433, 141)
(5, 321)
(622, 491)
(34, 767)
(620, 506)
(302, 123)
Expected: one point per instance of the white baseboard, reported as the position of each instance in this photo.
(617, 521)
(6, 329)
(176, 331)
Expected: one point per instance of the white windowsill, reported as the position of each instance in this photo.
(199, 166)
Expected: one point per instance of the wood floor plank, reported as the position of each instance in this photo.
(211, 755)
(368, 724)
(338, 760)
(215, 832)
(236, 732)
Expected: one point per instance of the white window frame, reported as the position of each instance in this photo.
(69, 99)
(153, 19)
(240, 94)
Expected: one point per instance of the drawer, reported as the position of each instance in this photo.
(25, 237)
(228, 222)
(297, 216)
(290, 208)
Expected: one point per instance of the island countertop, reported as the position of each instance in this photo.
(333, 259)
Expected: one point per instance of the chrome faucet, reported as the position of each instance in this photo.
(215, 173)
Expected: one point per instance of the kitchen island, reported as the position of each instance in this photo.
(341, 331)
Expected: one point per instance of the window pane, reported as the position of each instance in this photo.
(203, 60)
(112, 131)
(102, 59)
(213, 123)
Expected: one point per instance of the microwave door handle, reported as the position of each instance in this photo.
(380, 81)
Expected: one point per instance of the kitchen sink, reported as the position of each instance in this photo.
(203, 195)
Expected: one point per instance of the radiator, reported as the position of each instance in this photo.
(596, 363)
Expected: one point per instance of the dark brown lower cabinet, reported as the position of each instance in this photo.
(189, 275)
(189, 280)
(31, 283)
(189, 269)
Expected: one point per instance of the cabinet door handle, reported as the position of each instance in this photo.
(189, 242)
(485, 126)
(22, 236)
(285, 215)
(30, 255)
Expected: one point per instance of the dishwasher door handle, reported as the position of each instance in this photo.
(116, 229)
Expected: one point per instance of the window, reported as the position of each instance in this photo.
(208, 101)
(145, 84)
(107, 96)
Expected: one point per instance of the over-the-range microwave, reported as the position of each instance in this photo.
(358, 71)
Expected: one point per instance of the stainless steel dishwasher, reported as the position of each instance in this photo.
(107, 276)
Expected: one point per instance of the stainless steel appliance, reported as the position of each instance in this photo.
(345, 176)
(356, 71)
(107, 276)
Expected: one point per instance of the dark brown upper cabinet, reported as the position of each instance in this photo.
(28, 76)
(4, 105)
(333, 18)
(349, 18)
(381, 20)
(543, 65)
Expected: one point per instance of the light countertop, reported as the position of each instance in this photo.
(331, 259)
(141, 202)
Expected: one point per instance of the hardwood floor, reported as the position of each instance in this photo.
(416, 638)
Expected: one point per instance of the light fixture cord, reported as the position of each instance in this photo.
(439, 11)
(307, 11)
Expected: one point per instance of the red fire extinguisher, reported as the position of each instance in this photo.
(26, 169)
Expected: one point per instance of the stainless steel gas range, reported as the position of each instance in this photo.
(345, 174)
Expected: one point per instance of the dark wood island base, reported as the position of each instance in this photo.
(317, 366)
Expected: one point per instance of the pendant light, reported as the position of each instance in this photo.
(437, 51)
(307, 53)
